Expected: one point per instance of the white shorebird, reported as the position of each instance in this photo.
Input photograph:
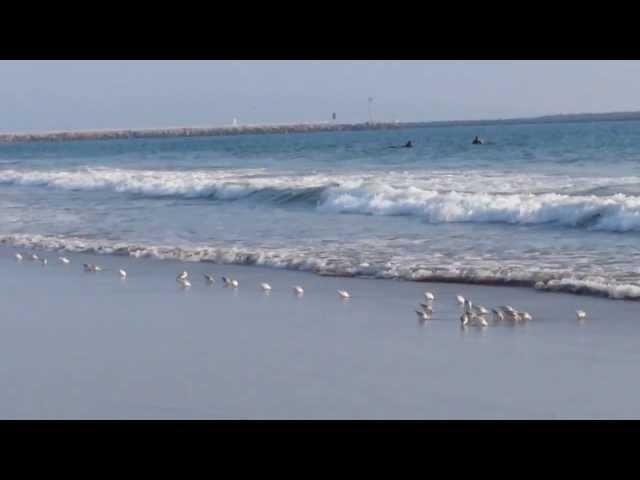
(64, 260)
(298, 290)
(509, 313)
(480, 310)
(460, 300)
(235, 283)
(497, 314)
(427, 307)
(34, 257)
(123, 273)
(525, 315)
(423, 315)
(90, 267)
(19, 256)
(182, 276)
(183, 282)
(473, 319)
(581, 314)
(468, 306)
(265, 287)
(429, 296)
(482, 321)
(209, 278)
(344, 294)
(44, 261)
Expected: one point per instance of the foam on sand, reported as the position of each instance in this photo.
(326, 263)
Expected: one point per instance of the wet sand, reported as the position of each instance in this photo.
(77, 345)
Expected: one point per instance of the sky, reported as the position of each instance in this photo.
(82, 95)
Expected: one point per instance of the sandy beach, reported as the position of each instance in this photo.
(92, 346)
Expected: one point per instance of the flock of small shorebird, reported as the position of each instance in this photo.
(476, 315)
(472, 315)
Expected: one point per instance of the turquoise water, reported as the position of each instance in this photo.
(555, 206)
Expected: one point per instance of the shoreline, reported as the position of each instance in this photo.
(214, 131)
(90, 345)
(561, 285)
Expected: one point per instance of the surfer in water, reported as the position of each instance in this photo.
(409, 144)
(477, 141)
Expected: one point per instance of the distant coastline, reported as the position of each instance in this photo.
(117, 134)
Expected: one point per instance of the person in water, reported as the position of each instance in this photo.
(477, 141)
(409, 144)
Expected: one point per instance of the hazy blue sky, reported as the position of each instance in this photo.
(51, 95)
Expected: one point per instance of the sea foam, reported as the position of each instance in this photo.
(327, 262)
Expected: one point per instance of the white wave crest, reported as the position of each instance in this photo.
(475, 198)
(328, 263)
(618, 212)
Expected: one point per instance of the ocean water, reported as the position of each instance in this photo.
(552, 206)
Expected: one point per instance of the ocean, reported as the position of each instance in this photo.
(554, 207)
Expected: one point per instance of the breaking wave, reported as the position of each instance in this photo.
(435, 198)
(328, 262)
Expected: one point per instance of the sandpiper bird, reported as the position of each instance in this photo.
(497, 314)
(460, 299)
(209, 278)
(182, 276)
(298, 290)
(183, 282)
(482, 321)
(235, 283)
(19, 256)
(265, 287)
(44, 261)
(227, 281)
(423, 315)
(90, 267)
(480, 310)
(64, 260)
(473, 319)
(468, 306)
(344, 294)
(581, 314)
(508, 313)
(123, 274)
(525, 315)
(429, 296)
(34, 257)
(426, 307)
